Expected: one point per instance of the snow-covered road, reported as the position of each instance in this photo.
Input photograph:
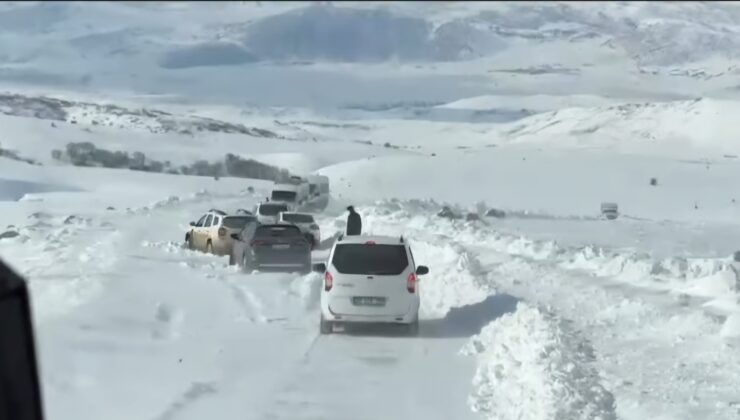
(176, 334)
(133, 326)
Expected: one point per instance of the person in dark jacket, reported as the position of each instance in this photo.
(354, 222)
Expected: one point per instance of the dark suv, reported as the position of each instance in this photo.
(271, 247)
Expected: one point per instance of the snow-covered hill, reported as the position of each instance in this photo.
(233, 50)
(700, 127)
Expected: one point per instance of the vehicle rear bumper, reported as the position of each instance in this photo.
(282, 261)
(406, 318)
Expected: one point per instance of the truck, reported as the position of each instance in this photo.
(609, 210)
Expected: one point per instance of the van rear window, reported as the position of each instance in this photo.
(370, 259)
(282, 231)
(283, 196)
(298, 218)
(237, 222)
(272, 209)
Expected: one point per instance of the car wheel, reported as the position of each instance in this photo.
(189, 241)
(325, 326)
(209, 248)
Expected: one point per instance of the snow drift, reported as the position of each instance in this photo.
(699, 277)
(532, 366)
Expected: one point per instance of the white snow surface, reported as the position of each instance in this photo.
(549, 305)
(541, 111)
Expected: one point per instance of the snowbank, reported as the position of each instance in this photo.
(531, 366)
(706, 278)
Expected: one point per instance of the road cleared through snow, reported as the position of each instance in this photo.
(177, 334)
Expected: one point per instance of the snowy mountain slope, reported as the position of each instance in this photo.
(636, 50)
(535, 103)
(697, 126)
(34, 126)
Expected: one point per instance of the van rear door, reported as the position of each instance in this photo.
(370, 279)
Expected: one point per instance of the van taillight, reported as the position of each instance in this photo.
(221, 231)
(328, 281)
(411, 283)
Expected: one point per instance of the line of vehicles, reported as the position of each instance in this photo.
(275, 235)
(366, 279)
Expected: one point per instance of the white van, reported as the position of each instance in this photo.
(370, 279)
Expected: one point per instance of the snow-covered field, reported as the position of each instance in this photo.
(541, 111)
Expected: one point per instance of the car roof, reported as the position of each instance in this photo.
(219, 212)
(378, 239)
(273, 203)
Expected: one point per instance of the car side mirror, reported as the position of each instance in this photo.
(319, 268)
(235, 236)
(192, 223)
(422, 269)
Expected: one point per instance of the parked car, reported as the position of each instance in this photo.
(271, 247)
(305, 223)
(370, 279)
(267, 212)
(212, 232)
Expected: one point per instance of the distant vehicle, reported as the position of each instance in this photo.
(296, 180)
(274, 247)
(286, 193)
(303, 188)
(610, 210)
(212, 232)
(267, 212)
(370, 279)
(305, 223)
(318, 185)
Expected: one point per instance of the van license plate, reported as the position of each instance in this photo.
(281, 246)
(368, 301)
